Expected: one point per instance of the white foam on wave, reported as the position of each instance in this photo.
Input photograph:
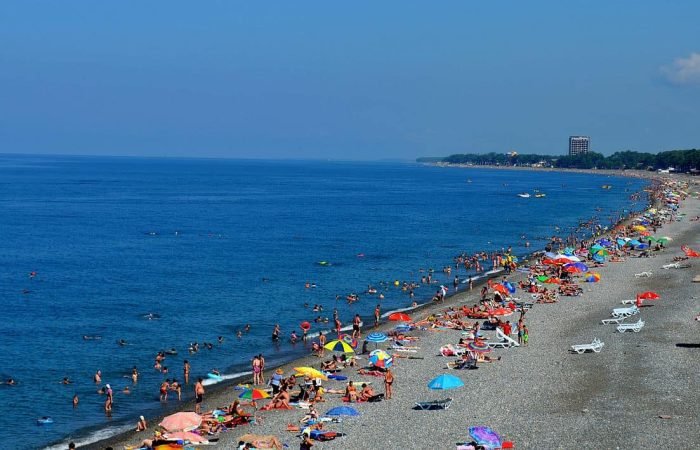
(224, 377)
(99, 435)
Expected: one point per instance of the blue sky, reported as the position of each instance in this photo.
(346, 80)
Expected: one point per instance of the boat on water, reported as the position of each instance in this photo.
(524, 195)
(606, 186)
(540, 195)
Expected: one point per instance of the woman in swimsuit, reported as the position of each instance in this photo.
(388, 381)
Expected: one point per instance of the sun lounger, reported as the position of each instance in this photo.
(615, 320)
(625, 312)
(643, 274)
(594, 346)
(636, 327)
(435, 404)
(629, 302)
(452, 350)
(675, 266)
(505, 341)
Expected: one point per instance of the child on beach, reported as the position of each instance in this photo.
(526, 336)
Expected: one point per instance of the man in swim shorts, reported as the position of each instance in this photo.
(198, 396)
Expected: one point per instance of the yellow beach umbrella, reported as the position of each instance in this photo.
(639, 228)
(339, 345)
(310, 371)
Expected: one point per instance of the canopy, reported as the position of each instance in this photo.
(339, 345)
(181, 421)
(310, 371)
(399, 317)
(376, 337)
(485, 436)
(445, 381)
(380, 358)
(253, 394)
(342, 411)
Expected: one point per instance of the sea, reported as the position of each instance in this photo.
(159, 253)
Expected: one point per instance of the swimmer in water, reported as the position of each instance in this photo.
(239, 334)
(247, 328)
(122, 342)
(220, 339)
(66, 380)
(76, 400)
(294, 337)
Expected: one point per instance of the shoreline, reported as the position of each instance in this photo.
(218, 390)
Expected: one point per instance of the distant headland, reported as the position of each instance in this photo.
(681, 161)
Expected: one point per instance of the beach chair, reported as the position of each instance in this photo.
(625, 312)
(505, 342)
(435, 404)
(594, 346)
(614, 320)
(643, 274)
(635, 327)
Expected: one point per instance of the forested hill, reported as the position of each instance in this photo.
(680, 160)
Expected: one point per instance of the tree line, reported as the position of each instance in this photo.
(680, 160)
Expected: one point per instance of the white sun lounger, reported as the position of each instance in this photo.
(643, 274)
(636, 327)
(625, 312)
(505, 341)
(629, 302)
(594, 346)
(615, 320)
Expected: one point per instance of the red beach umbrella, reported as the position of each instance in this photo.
(649, 295)
(500, 288)
(399, 317)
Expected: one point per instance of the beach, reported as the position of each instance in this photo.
(639, 391)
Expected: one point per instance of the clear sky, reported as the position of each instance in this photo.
(347, 80)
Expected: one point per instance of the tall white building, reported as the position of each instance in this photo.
(579, 145)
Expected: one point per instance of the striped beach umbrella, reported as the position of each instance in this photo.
(479, 346)
(253, 394)
(376, 337)
(380, 358)
(339, 345)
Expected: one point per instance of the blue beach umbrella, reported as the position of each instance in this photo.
(376, 337)
(485, 436)
(633, 243)
(621, 242)
(508, 285)
(445, 381)
(599, 258)
(342, 411)
(568, 251)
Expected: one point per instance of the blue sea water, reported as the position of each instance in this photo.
(212, 245)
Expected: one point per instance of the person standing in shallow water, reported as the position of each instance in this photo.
(255, 365)
(377, 314)
(186, 370)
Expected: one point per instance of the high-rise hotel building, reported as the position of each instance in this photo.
(579, 145)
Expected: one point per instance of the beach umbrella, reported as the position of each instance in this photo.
(311, 372)
(568, 251)
(445, 381)
(689, 251)
(500, 288)
(376, 337)
(592, 277)
(485, 436)
(563, 260)
(253, 394)
(639, 228)
(602, 252)
(380, 358)
(571, 268)
(594, 248)
(181, 421)
(598, 258)
(553, 280)
(509, 286)
(186, 436)
(342, 411)
(633, 243)
(399, 317)
(479, 346)
(542, 278)
(649, 295)
(620, 241)
(339, 345)
(605, 242)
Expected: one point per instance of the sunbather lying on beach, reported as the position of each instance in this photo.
(279, 401)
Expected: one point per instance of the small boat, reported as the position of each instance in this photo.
(524, 195)
(44, 420)
(606, 186)
(540, 195)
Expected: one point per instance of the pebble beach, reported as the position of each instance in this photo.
(640, 391)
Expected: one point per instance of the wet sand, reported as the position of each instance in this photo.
(540, 396)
